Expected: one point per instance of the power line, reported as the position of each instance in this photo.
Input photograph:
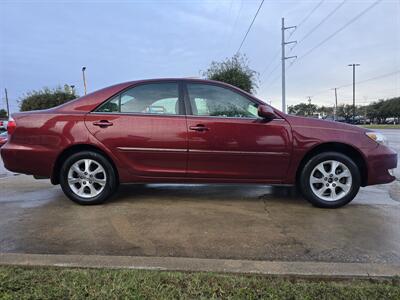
(272, 71)
(360, 82)
(322, 21)
(372, 79)
(278, 76)
(270, 63)
(365, 99)
(248, 30)
(307, 17)
(236, 20)
(293, 31)
(291, 63)
(273, 80)
(340, 29)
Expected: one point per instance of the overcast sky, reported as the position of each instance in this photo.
(46, 43)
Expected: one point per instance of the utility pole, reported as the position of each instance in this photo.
(309, 111)
(335, 109)
(8, 106)
(284, 58)
(84, 78)
(354, 89)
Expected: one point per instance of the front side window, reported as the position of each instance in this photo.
(153, 98)
(211, 100)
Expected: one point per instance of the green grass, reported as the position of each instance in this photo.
(382, 126)
(70, 283)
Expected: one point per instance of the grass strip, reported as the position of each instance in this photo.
(382, 126)
(75, 283)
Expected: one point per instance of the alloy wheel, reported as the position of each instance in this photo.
(331, 180)
(87, 178)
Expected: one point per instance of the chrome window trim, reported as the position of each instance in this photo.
(135, 114)
(239, 118)
(180, 115)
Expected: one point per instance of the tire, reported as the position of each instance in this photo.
(330, 180)
(88, 178)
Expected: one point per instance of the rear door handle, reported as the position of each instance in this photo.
(199, 127)
(102, 123)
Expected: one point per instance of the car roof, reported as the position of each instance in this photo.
(191, 79)
(90, 101)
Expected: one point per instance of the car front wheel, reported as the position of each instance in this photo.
(330, 180)
(88, 178)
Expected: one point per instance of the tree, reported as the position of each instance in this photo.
(325, 110)
(391, 108)
(377, 111)
(234, 71)
(380, 110)
(3, 113)
(345, 111)
(303, 109)
(47, 98)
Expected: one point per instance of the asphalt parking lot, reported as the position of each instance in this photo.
(202, 221)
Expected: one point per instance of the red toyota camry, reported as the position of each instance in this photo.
(192, 131)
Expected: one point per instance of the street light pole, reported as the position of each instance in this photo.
(354, 90)
(84, 78)
(335, 110)
(8, 106)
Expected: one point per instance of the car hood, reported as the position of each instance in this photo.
(295, 121)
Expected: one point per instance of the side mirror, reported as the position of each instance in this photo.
(266, 112)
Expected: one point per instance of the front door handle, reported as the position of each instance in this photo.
(199, 127)
(102, 123)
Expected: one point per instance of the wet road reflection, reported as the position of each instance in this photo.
(206, 221)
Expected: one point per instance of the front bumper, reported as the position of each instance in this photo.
(380, 161)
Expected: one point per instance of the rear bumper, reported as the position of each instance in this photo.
(28, 160)
(380, 161)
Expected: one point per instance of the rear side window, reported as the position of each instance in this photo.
(211, 100)
(110, 106)
(153, 98)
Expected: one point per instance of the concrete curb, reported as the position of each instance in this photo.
(271, 268)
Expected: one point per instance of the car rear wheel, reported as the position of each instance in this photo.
(330, 180)
(88, 178)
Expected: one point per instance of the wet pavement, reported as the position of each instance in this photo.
(202, 221)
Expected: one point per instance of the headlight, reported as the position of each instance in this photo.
(377, 137)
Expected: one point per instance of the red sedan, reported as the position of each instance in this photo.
(192, 131)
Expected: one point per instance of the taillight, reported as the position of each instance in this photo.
(11, 126)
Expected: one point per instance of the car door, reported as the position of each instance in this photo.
(228, 140)
(145, 127)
